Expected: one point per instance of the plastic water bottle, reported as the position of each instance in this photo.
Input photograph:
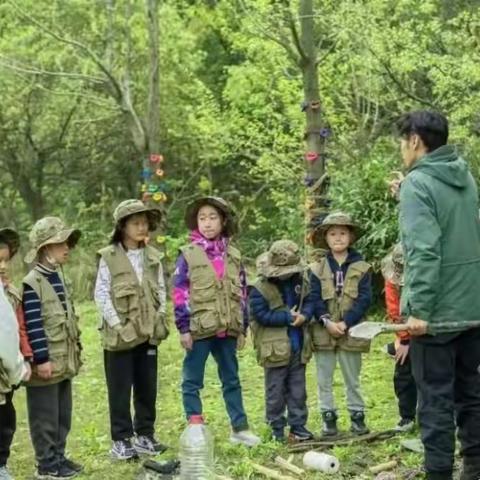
(196, 451)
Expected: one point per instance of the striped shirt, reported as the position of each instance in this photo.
(32, 308)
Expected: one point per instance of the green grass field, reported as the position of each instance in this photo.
(89, 441)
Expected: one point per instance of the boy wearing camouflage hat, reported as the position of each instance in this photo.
(130, 294)
(343, 279)
(281, 309)
(403, 381)
(13, 367)
(52, 328)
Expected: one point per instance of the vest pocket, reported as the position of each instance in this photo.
(123, 294)
(204, 322)
(202, 293)
(275, 352)
(321, 339)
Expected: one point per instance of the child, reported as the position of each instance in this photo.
(280, 314)
(15, 337)
(403, 381)
(52, 329)
(343, 280)
(210, 309)
(130, 294)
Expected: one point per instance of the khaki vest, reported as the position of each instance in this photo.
(61, 330)
(272, 344)
(338, 305)
(14, 298)
(215, 305)
(136, 303)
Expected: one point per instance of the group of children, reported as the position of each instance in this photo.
(295, 312)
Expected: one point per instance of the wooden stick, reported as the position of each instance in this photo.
(383, 467)
(269, 473)
(287, 465)
(223, 477)
(290, 458)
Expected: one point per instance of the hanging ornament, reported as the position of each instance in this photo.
(143, 187)
(156, 158)
(308, 181)
(315, 104)
(159, 172)
(146, 173)
(159, 197)
(161, 239)
(311, 156)
(152, 188)
(325, 132)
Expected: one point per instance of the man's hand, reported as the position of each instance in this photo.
(334, 329)
(401, 353)
(416, 327)
(299, 319)
(187, 341)
(44, 370)
(241, 340)
(394, 185)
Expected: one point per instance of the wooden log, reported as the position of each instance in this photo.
(287, 465)
(269, 473)
(383, 467)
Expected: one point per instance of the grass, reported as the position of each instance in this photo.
(89, 440)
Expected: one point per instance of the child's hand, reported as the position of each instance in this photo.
(45, 370)
(28, 372)
(333, 329)
(342, 326)
(187, 341)
(299, 319)
(241, 341)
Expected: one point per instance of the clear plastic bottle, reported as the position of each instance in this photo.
(196, 451)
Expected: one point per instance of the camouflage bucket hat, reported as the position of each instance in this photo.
(332, 220)
(11, 238)
(132, 206)
(282, 258)
(218, 203)
(393, 265)
(48, 231)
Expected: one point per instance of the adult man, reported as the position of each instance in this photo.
(440, 231)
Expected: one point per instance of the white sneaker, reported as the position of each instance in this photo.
(245, 437)
(4, 474)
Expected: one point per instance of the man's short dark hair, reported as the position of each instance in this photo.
(431, 127)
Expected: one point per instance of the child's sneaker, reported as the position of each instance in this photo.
(405, 425)
(147, 444)
(329, 425)
(57, 471)
(5, 474)
(300, 434)
(76, 467)
(358, 426)
(123, 450)
(278, 435)
(245, 437)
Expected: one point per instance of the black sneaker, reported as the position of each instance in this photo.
(358, 426)
(329, 426)
(278, 435)
(123, 450)
(405, 425)
(76, 467)
(300, 434)
(59, 470)
(146, 444)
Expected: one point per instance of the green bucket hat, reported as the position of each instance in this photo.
(332, 220)
(10, 237)
(393, 265)
(282, 258)
(48, 231)
(131, 207)
(217, 202)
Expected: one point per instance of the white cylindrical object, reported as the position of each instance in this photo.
(321, 462)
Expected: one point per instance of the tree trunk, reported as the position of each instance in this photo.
(315, 134)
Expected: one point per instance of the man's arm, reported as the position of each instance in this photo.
(421, 237)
